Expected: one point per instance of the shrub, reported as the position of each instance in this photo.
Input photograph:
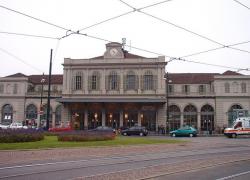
(86, 136)
(20, 135)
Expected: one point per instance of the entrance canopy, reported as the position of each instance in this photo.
(112, 100)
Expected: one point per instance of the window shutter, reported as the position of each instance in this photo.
(107, 82)
(98, 82)
(73, 83)
(89, 83)
(136, 82)
(118, 82)
(125, 86)
(142, 82)
(155, 82)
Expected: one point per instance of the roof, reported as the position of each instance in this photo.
(55, 79)
(17, 75)
(115, 100)
(127, 55)
(231, 73)
(191, 78)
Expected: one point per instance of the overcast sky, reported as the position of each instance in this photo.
(174, 28)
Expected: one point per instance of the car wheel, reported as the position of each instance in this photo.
(125, 134)
(234, 135)
(191, 135)
(141, 134)
(173, 135)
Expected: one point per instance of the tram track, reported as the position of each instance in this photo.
(125, 161)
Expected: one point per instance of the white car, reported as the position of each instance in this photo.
(17, 125)
(4, 126)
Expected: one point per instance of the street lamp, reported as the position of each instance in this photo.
(167, 81)
(41, 100)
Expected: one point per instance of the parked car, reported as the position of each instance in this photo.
(4, 126)
(104, 129)
(17, 125)
(135, 130)
(184, 131)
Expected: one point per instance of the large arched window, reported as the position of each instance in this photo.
(78, 81)
(94, 81)
(174, 121)
(232, 113)
(148, 81)
(113, 81)
(44, 116)
(130, 80)
(7, 114)
(31, 112)
(227, 87)
(207, 118)
(243, 87)
(190, 116)
(58, 117)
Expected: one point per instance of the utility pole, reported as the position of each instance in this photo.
(167, 112)
(48, 104)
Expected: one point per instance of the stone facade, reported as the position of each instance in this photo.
(120, 89)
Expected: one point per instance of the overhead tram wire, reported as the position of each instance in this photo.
(123, 14)
(214, 49)
(37, 19)
(242, 4)
(21, 60)
(174, 58)
(208, 64)
(28, 35)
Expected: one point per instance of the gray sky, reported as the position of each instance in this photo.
(158, 28)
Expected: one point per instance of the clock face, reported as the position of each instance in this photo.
(113, 51)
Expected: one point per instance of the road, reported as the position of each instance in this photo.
(225, 158)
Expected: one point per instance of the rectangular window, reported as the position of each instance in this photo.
(243, 87)
(170, 89)
(202, 89)
(186, 89)
(1, 88)
(15, 89)
(78, 83)
(93, 83)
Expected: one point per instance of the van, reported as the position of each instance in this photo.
(241, 126)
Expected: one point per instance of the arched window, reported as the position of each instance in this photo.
(44, 116)
(190, 116)
(58, 117)
(7, 114)
(94, 81)
(232, 113)
(148, 81)
(243, 87)
(78, 81)
(113, 82)
(235, 87)
(207, 118)
(31, 112)
(174, 121)
(227, 87)
(130, 81)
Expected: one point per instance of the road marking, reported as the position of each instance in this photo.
(234, 175)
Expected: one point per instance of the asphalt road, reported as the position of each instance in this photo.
(231, 158)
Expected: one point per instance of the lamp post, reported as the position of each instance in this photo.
(41, 101)
(167, 81)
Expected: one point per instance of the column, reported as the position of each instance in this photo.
(121, 118)
(156, 122)
(103, 117)
(182, 119)
(86, 119)
(139, 118)
(199, 122)
(53, 119)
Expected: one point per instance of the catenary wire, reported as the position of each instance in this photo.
(28, 35)
(174, 58)
(241, 4)
(214, 49)
(123, 14)
(21, 60)
(37, 19)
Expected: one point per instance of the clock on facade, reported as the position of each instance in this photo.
(113, 52)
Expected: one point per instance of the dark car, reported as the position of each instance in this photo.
(184, 131)
(135, 130)
(104, 129)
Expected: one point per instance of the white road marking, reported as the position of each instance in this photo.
(234, 175)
